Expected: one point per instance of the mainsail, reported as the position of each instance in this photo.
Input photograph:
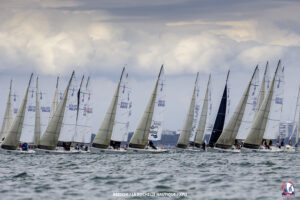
(204, 115)
(123, 113)
(227, 138)
(50, 138)
(156, 127)
(37, 125)
(274, 118)
(256, 134)
(103, 137)
(8, 116)
(184, 137)
(83, 128)
(68, 128)
(12, 139)
(140, 137)
(296, 120)
(250, 109)
(220, 119)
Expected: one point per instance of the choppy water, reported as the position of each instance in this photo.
(200, 175)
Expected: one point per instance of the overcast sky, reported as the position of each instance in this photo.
(98, 38)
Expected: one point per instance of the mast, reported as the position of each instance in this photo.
(8, 116)
(103, 137)
(13, 137)
(256, 134)
(227, 137)
(220, 119)
(203, 117)
(50, 137)
(37, 126)
(140, 137)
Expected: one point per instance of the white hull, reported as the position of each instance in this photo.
(147, 151)
(219, 150)
(108, 151)
(18, 151)
(262, 149)
(180, 150)
(56, 151)
(289, 148)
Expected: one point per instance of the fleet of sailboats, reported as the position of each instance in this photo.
(65, 127)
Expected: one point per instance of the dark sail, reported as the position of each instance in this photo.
(219, 123)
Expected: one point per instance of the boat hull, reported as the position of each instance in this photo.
(263, 150)
(56, 151)
(220, 150)
(18, 151)
(146, 151)
(108, 151)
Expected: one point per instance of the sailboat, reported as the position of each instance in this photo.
(221, 116)
(114, 128)
(48, 142)
(296, 130)
(266, 123)
(11, 141)
(140, 138)
(83, 129)
(187, 129)
(8, 116)
(254, 102)
(203, 122)
(227, 138)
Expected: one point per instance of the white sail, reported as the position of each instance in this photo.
(89, 113)
(184, 137)
(123, 112)
(69, 123)
(250, 109)
(103, 137)
(156, 127)
(27, 135)
(45, 110)
(272, 129)
(257, 131)
(196, 112)
(227, 138)
(296, 120)
(12, 139)
(50, 137)
(204, 117)
(8, 116)
(83, 125)
(141, 135)
(37, 125)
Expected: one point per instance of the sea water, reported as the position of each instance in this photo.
(187, 175)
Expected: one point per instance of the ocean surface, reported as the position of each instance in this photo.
(188, 175)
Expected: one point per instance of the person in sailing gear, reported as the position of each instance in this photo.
(25, 147)
(152, 145)
(203, 146)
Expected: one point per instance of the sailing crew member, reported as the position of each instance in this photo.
(152, 145)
